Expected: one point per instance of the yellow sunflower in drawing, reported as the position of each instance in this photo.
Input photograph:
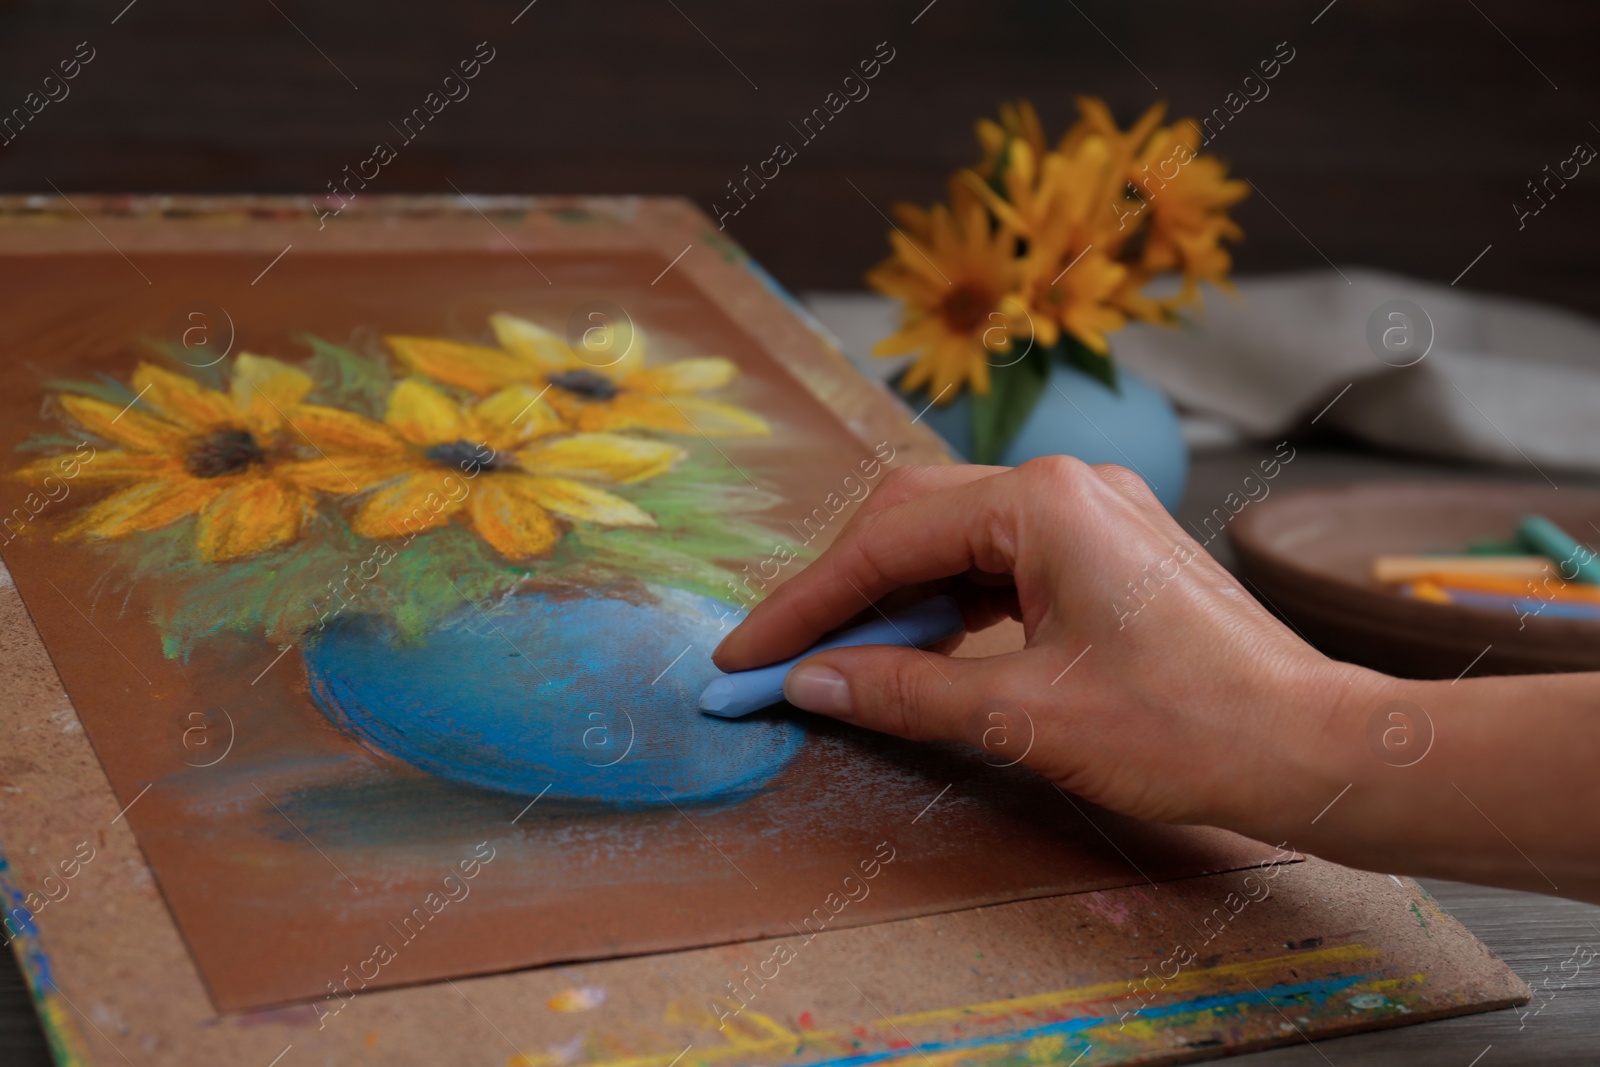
(601, 394)
(497, 464)
(226, 458)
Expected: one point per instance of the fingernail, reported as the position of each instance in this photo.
(817, 688)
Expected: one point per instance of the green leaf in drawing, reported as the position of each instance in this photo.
(998, 414)
(347, 379)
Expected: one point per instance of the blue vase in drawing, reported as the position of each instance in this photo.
(590, 699)
(1078, 415)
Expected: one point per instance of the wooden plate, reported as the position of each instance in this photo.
(1308, 555)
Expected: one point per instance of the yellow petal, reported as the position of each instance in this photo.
(127, 426)
(515, 414)
(473, 367)
(1001, 208)
(583, 502)
(511, 521)
(679, 414)
(146, 506)
(600, 457)
(533, 345)
(418, 502)
(686, 375)
(248, 517)
(265, 389)
(342, 474)
(913, 337)
(101, 468)
(423, 415)
(332, 430)
(184, 400)
(605, 344)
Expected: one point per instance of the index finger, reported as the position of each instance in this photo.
(941, 534)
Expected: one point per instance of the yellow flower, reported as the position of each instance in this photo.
(1095, 120)
(1187, 197)
(493, 463)
(951, 287)
(1019, 125)
(1078, 294)
(227, 458)
(600, 394)
(1177, 196)
(1072, 281)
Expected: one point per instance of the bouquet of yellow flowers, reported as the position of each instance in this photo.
(1042, 252)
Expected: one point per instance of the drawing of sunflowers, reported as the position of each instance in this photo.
(402, 481)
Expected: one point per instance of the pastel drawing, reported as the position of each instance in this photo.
(473, 545)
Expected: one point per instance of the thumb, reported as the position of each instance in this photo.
(907, 692)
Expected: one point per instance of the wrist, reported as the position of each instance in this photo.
(1339, 725)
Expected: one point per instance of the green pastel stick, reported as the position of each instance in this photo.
(1573, 561)
(1494, 548)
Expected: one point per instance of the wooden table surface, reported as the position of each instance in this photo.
(1536, 935)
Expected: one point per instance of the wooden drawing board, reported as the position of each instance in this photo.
(1107, 974)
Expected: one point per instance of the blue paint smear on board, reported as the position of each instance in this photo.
(1278, 996)
(593, 697)
(21, 929)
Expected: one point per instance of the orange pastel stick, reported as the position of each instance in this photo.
(1542, 589)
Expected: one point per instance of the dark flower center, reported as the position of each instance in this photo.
(585, 383)
(462, 455)
(223, 452)
(965, 309)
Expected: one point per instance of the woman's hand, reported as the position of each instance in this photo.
(1153, 684)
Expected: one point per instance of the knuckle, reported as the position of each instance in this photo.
(901, 484)
(899, 477)
(864, 566)
(1056, 488)
(1057, 472)
(907, 699)
(1132, 489)
(1117, 477)
(1056, 467)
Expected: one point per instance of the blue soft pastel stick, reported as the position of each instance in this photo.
(1555, 609)
(918, 626)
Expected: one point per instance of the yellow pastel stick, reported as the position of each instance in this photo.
(1391, 570)
(1425, 590)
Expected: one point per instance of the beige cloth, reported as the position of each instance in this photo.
(1506, 381)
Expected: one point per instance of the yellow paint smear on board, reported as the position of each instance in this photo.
(752, 1032)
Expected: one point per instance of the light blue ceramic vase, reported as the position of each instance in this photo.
(1080, 416)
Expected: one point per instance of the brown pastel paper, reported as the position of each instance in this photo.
(303, 863)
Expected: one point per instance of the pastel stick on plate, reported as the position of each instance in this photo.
(918, 626)
(1574, 562)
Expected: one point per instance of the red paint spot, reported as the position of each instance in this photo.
(807, 1022)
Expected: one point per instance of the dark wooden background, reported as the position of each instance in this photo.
(1398, 137)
